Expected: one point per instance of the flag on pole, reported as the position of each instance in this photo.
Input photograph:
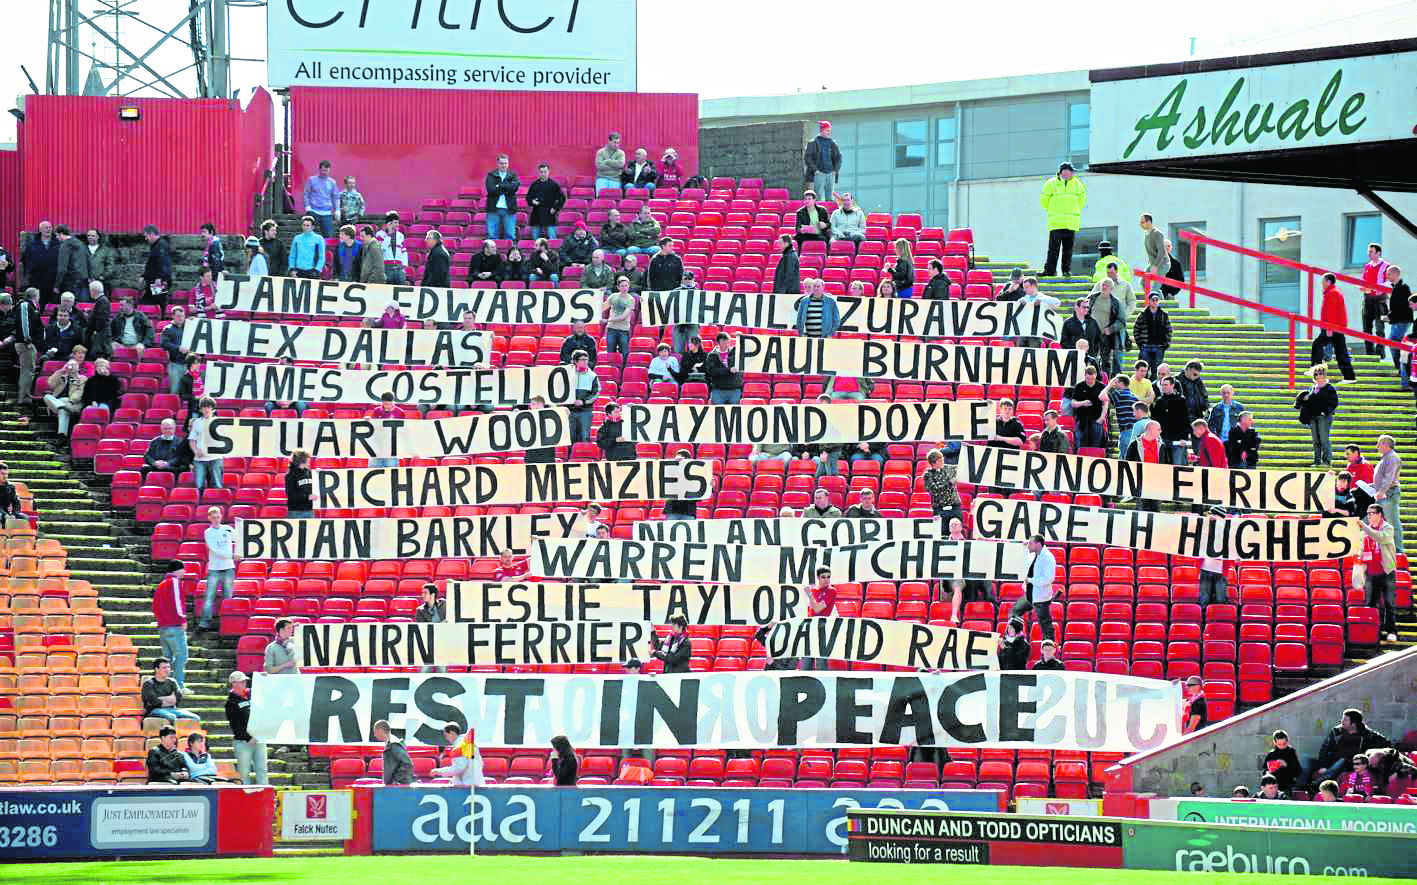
(468, 748)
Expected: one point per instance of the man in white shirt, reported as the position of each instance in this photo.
(221, 564)
(1038, 586)
(463, 771)
(395, 253)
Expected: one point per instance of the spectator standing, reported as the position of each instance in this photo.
(545, 454)
(351, 203)
(321, 199)
(1170, 412)
(1375, 300)
(1063, 198)
(170, 613)
(666, 268)
(398, 767)
(1013, 646)
(206, 465)
(614, 235)
(1194, 715)
(1378, 562)
(213, 256)
(1283, 762)
(1207, 449)
(157, 270)
(1360, 471)
(501, 185)
(1387, 486)
(1119, 395)
(187, 386)
(1225, 415)
(902, 272)
(1212, 571)
(299, 487)
(1399, 317)
(438, 265)
(371, 256)
(1039, 586)
(1008, 430)
(71, 272)
(29, 335)
(66, 395)
(812, 223)
(565, 766)
(176, 351)
(608, 437)
(347, 259)
(1242, 446)
(464, 766)
(40, 260)
(587, 389)
(674, 651)
(1158, 262)
(579, 247)
(1317, 406)
(1192, 387)
(609, 164)
(644, 234)
(395, 253)
(1334, 312)
(1110, 313)
(817, 314)
(1140, 385)
(1047, 659)
(10, 507)
(257, 263)
(787, 276)
(545, 199)
(821, 161)
(221, 565)
(848, 222)
(277, 254)
(620, 321)
(1090, 402)
(280, 651)
(821, 602)
(1054, 439)
(579, 340)
(1152, 331)
(250, 752)
(937, 288)
(1081, 326)
(640, 173)
(307, 251)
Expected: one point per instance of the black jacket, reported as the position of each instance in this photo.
(1178, 273)
(648, 174)
(484, 263)
(164, 763)
(238, 715)
(9, 501)
(72, 270)
(551, 198)
(614, 236)
(577, 250)
(666, 272)
(1014, 654)
(1073, 331)
(106, 389)
(721, 376)
(612, 447)
(299, 489)
(159, 263)
(29, 323)
(141, 324)
(1054, 664)
(1324, 402)
(215, 257)
(1169, 411)
(675, 655)
(1152, 329)
(514, 271)
(787, 276)
(902, 275)
(806, 216)
(277, 255)
(1243, 442)
(1055, 441)
(1399, 308)
(543, 265)
(153, 690)
(1197, 397)
(574, 343)
(398, 767)
(438, 269)
(811, 158)
(61, 341)
(173, 452)
(498, 187)
(939, 288)
(1340, 744)
(1288, 767)
(565, 771)
(40, 261)
(689, 363)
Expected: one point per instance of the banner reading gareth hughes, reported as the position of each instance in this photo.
(745, 604)
(608, 560)
(911, 361)
(912, 317)
(793, 532)
(482, 484)
(333, 344)
(434, 537)
(271, 382)
(474, 434)
(738, 710)
(1290, 491)
(341, 300)
(809, 423)
(1238, 537)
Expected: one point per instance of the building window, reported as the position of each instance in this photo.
(1079, 119)
(1085, 252)
(1359, 231)
(1181, 248)
(946, 138)
(910, 144)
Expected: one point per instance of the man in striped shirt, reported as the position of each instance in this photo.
(817, 314)
(1123, 399)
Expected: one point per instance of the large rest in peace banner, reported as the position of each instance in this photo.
(791, 531)
(340, 300)
(911, 317)
(748, 710)
(1245, 538)
(479, 433)
(449, 388)
(610, 560)
(1287, 491)
(432, 537)
(817, 423)
(740, 604)
(335, 344)
(930, 361)
(486, 484)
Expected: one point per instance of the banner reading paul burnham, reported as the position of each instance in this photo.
(790, 531)
(1286, 491)
(909, 361)
(542, 601)
(474, 434)
(739, 710)
(504, 388)
(1252, 538)
(333, 344)
(341, 300)
(431, 537)
(483, 484)
(809, 423)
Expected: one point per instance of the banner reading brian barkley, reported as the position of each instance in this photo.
(432, 537)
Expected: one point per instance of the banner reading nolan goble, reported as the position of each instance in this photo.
(931, 361)
(433, 537)
(825, 423)
(334, 344)
(739, 710)
(475, 434)
(745, 604)
(504, 388)
(791, 531)
(1252, 538)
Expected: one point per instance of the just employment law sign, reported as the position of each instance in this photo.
(527, 45)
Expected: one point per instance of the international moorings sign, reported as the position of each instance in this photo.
(1245, 110)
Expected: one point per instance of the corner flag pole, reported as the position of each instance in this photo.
(469, 750)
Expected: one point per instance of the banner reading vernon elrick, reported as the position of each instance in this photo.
(341, 300)
(542, 601)
(1246, 538)
(930, 361)
(1287, 491)
(794, 532)
(433, 537)
(809, 423)
(271, 382)
(739, 710)
(333, 344)
(474, 434)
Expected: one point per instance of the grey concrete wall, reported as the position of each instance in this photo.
(770, 151)
(1231, 752)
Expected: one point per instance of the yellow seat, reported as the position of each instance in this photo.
(122, 683)
(65, 748)
(127, 727)
(87, 623)
(96, 748)
(64, 726)
(96, 704)
(67, 770)
(96, 726)
(34, 771)
(98, 769)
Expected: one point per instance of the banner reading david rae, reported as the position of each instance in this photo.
(887, 643)
(794, 532)
(341, 300)
(608, 560)
(745, 604)
(1289, 491)
(1057, 710)
(502, 643)
(808, 423)
(910, 361)
(474, 434)
(332, 344)
(482, 484)
(504, 388)
(1252, 538)
(912, 317)
(439, 537)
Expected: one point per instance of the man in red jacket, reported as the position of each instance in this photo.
(170, 613)
(1206, 450)
(1334, 312)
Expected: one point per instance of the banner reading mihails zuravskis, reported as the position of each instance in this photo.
(911, 361)
(474, 434)
(334, 344)
(434, 537)
(544, 602)
(341, 300)
(271, 382)
(827, 423)
(738, 710)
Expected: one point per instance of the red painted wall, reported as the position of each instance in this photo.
(10, 205)
(408, 145)
(257, 151)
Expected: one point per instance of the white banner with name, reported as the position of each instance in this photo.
(476, 434)
(930, 361)
(439, 537)
(474, 644)
(1034, 710)
(821, 423)
(540, 601)
(792, 532)
(886, 643)
(335, 344)
(504, 388)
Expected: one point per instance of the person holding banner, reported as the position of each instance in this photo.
(464, 766)
(674, 651)
(299, 487)
(621, 319)
(1038, 590)
(821, 602)
(612, 447)
(587, 389)
(941, 484)
(666, 268)
(725, 384)
(273, 247)
(371, 257)
(1008, 430)
(1149, 448)
(1377, 567)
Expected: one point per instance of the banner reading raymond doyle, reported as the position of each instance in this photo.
(809, 422)
(341, 300)
(608, 560)
(794, 532)
(746, 604)
(1252, 538)
(474, 434)
(333, 344)
(910, 361)
(1287, 491)
(429, 537)
(912, 317)
(504, 388)
(1057, 710)
(484, 484)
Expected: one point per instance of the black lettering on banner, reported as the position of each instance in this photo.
(911, 361)
(334, 697)
(755, 604)
(889, 643)
(654, 703)
(400, 538)
(448, 388)
(332, 344)
(429, 698)
(801, 698)
(804, 532)
(808, 423)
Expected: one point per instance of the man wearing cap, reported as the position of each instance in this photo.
(1063, 198)
(250, 752)
(822, 160)
(1193, 712)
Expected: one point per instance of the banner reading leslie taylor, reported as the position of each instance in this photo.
(931, 361)
(334, 344)
(745, 604)
(505, 388)
(825, 423)
(475, 434)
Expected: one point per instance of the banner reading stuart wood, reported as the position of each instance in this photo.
(1237, 537)
(828, 423)
(333, 344)
(270, 382)
(1276, 490)
(913, 317)
(930, 361)
(474, 434)
(746, 604)
(335, 298)
(606, 560)
(500, 643)
(399, 538)
(790, 531)
(1058, 710)
(482, 484)
(887, 643)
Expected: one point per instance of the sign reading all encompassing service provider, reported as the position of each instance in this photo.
(334, 344)
(450, 388)
(544, 601)
(824, 423)
(910, 361)
(474, 434)
(433, 537)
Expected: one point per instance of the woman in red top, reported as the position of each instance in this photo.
(1335, 313)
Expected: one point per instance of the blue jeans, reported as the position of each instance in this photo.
(326, 223)
(172, 714)
(867, 456)
(208, 474)
(383, 462)
(298, 406)
(669, 516)
(224, 577)
(394, 275)
(617, 340)
(1397, 332)
(726, 397)
(174, 648)
(580, 425)
(548, 231)
(250, 761)
(175, 371)
(1152, 356)
(501, 225)
(602, 184)
(907, 292)
(299, 514)
(536, 277)
(641, 250)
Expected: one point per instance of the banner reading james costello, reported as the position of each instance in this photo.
(334, 344)
(910, 361)
(475, 434)
(504, 388)
(809, 422)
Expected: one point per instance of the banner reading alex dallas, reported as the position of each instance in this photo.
(333, 344)
(474, 434)
(740, 710)
(504, 388)
(826, 423)
(910, 361)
